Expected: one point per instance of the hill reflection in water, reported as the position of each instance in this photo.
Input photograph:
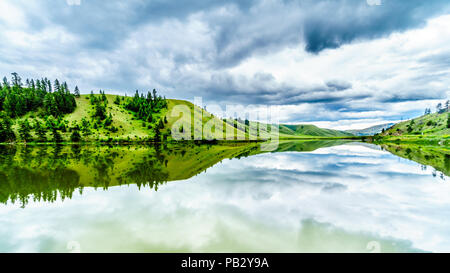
(46, 173)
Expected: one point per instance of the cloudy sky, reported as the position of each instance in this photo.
(338, 64)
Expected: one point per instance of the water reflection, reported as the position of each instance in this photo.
(436, 156)
(42, 173)
(306, 196)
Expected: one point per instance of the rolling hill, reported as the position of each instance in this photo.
(431, 129)
(311, 130)
(129, 128)
(436, 124)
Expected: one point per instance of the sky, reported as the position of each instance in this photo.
(342, 64)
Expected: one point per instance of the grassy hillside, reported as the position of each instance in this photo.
(198, 119)
(129, 128)
(123, 120)
(431, 129)
(311, 130)
(432, 124)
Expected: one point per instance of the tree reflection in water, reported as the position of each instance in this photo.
(45, 173)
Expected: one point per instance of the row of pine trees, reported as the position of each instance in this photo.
(17, 99)
(49, 101)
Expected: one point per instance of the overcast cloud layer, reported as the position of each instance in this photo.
(338, 64)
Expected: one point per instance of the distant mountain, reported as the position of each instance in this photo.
(311, 130)
(371, 130)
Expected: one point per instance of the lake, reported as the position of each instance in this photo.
(307, 196)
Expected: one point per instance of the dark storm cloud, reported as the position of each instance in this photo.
(248, 26)
(421, 95)
(344, 21)
(263, 88)
(318, 24)
(190, 48)
(339, 85)
(104, 25)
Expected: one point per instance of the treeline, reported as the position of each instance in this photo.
(18, 98)
(48, 173)
(49, 101)
(43, 104)
(440, 108)
(145, 107)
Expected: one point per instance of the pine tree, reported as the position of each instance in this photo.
(24, 130)
(6, 132)
(108, 121)
(77, 92)
(439, 107)
(85, 127)
(117, 100)
(75, 136)
(65, 88)
(56, 86)
(100, 111)
(40, 131)
(16, 80)
(53, 127)
(49, 85)
(157, 134)
(448, 120)
(6, 83)
(103, 96)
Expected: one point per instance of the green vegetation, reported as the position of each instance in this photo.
(429, 129)
(37, 96)
(432, 124)
(40, 111)
(46, 172)
(311, 130)
(436, 156)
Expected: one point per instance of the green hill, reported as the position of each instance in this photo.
(125, 124)
(431, 129)
(433, 124)
(311, 130)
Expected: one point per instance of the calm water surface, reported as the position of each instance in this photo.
(306, 197)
